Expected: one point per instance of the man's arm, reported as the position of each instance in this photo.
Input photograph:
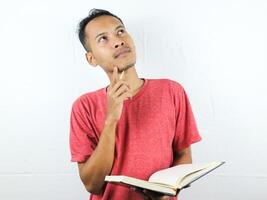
(94, 170)
(183, 157)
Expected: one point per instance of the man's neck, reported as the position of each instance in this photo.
(133, 80)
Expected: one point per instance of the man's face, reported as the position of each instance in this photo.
(111, 46)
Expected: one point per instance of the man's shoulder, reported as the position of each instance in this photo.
(166, 82)
(89, 97)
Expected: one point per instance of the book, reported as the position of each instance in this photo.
(168, 181)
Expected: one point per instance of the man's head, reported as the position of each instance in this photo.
(104, 37)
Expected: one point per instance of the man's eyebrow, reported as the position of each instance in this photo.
(100, 35)
(118, 27)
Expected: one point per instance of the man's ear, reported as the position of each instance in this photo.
(91, 59)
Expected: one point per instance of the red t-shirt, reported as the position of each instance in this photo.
(154, 124)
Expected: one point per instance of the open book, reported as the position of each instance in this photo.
(171, 180)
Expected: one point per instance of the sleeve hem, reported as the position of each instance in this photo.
(195, 140)
(79, 158)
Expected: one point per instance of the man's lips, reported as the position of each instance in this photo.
(122, 51)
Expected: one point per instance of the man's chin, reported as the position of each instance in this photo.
(128, 66)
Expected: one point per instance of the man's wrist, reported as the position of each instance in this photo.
(110, 122)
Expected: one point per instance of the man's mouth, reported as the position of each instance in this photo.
(122, 52)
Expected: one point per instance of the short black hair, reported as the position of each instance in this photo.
(93, 13)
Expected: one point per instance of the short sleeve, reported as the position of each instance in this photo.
(186, 131)
(82, 137)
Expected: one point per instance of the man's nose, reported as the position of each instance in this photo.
(118, 43)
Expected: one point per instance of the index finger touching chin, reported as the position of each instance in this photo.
(114, 78)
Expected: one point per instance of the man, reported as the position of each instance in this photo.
(134, 126)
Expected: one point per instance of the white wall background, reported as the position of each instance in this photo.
(216, 49)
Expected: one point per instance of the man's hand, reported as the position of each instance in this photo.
(117, 92)
(155, 196)
(150, 195)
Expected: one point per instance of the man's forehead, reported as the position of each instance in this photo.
(101, 24)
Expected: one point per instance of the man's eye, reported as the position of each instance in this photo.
(120, 31)
(102, 39)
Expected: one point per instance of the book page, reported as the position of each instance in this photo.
(188, 179)
(172, 176)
